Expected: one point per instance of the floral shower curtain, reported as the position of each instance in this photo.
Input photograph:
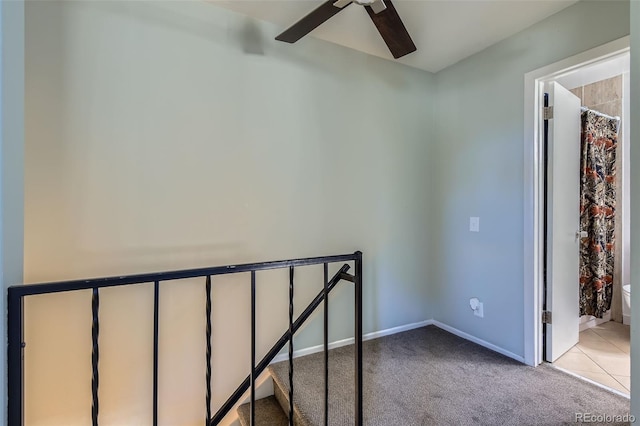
(599, 140)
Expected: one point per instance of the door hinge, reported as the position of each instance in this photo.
(548, 113)
(546, 317)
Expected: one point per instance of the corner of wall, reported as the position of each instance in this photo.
(11, 162)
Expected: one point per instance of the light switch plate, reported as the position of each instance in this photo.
(474, 224)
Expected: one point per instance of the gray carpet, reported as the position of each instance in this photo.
(267, 412)
(428, 376)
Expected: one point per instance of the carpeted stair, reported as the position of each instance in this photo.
(274, 410)
(268, 412)
(428, 376)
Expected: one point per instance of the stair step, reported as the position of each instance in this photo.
(281, 393)
(309, 387)
(268, 413)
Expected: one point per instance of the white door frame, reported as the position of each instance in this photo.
(533, 183)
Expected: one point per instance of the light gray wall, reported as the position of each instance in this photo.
(166, 135)
(635, 208)
(479, 169)
(113, 88)
(11, 162)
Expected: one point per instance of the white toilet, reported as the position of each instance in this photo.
(626, 304)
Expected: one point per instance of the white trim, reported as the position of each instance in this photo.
(478, 341)
(400, 329)
(586, 379)
(626, 180)
(351, 340)
(265, 382)
(533, 183)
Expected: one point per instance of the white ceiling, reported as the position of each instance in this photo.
(444, 31)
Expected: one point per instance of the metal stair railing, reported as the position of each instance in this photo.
(16, 344)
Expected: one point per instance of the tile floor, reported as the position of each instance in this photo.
(602, 355)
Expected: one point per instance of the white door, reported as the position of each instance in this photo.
(563, 221)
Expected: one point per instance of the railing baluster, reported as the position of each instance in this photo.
(208, 354)
(326, 344)
(276, 348)
(253, 348)
(156, 301)
(358, 338)
(291, 346)
(95, 354)
(15, 360)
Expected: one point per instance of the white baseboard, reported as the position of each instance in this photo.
(478, 341)
(400, 329)
(268, 388)
(394, 330)
(351, 340)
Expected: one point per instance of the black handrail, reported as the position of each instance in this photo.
(276, 348)
(15, 316)
(57, 287)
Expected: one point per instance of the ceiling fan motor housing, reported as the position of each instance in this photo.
(377, 5)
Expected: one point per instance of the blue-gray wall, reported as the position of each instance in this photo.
(333, 150)
(168, 135)
(477, 169)
(11, 161)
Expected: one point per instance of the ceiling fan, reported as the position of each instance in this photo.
(382, 13)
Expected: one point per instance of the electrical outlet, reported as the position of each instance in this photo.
(479, 311)
(474, 224)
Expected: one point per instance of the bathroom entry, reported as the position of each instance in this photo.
(587, 67)
(581, 170)
(600, 351)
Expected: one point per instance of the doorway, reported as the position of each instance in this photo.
(601, 350)
(578, 71)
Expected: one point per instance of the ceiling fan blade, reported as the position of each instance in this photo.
(310, 22)
(392, 30)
